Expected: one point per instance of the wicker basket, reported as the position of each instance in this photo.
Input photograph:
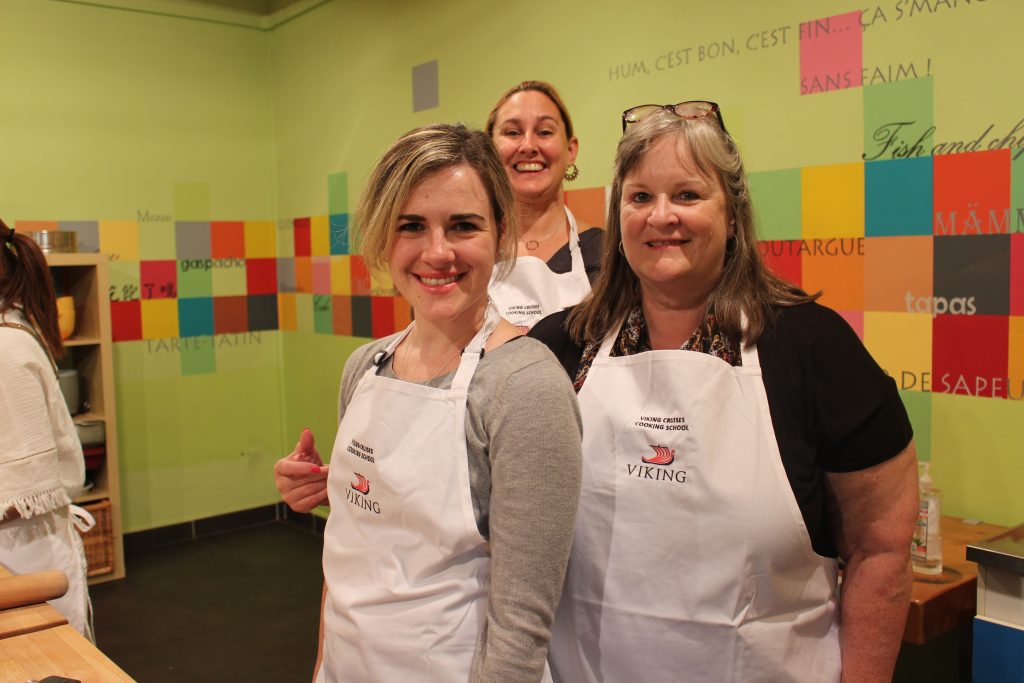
(99, 542)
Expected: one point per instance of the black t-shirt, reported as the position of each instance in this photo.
(590, 248)
(833, 408)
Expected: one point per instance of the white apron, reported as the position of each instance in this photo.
(50, 541)
(532, 291)
(691, 560)
(407, 570)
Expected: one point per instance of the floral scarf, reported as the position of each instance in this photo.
(707, 338)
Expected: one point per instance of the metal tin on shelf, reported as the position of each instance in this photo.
(56, 241)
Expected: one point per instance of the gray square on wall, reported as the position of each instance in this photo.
(192, 239)
(425, 94)
(286, 274)
(88, 234)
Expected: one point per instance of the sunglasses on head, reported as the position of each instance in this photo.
(694, 109)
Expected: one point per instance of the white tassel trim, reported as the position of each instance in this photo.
(38, 503)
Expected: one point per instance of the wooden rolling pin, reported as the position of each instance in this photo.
(29, 589)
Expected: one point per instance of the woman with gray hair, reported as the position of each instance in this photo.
(454, 478)
(738, 441)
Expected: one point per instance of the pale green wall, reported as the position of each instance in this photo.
(198, 445)
(103, 112)
(342, 90)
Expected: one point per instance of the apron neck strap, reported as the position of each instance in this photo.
(605, 349)
(575, 253)
(474, 351)
(389, 350)
(748, 352)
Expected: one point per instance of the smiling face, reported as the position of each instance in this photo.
(674, 223)
(532, 143)
(444, 247)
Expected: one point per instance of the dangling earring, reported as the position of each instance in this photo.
(620, 248)
(571, 173)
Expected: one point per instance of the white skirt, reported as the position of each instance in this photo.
(50, 541)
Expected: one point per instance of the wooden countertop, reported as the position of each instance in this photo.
(20, 620)
(36, 641)
(940, 603)
(57, 651)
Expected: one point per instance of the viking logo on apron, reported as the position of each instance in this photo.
(362, 484)
(663, 455)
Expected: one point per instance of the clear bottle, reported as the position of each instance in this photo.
(926, 547)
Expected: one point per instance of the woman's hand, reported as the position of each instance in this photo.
(301, 476)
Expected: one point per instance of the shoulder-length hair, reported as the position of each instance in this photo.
(416, 155)
(745, 286)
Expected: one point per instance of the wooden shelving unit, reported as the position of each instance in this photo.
(90, 351)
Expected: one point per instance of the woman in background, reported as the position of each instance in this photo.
(533, 132)
(41, 463)
(554, 264)
(738, 438)
(454, 477)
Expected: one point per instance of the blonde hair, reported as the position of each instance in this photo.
(416, 155)
(535, 86)
(745, 286)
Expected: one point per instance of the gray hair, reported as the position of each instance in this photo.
(745, 285)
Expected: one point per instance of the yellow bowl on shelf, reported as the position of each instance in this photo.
(66, 316)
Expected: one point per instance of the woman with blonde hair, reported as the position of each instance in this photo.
(555, 261)
(454, 477)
